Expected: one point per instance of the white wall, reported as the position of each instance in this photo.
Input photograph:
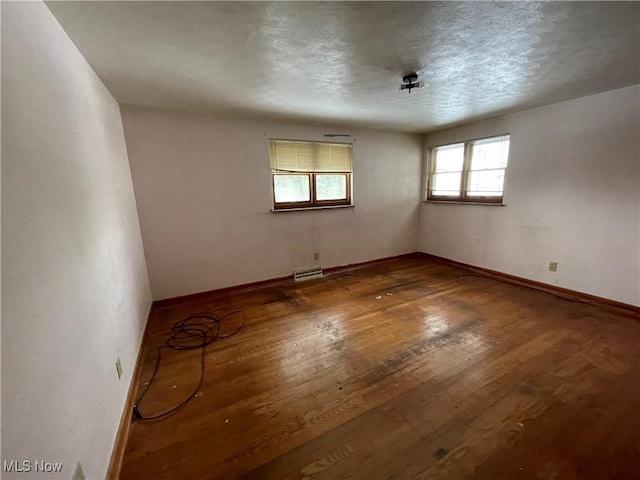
(75, 291)
(204, 197)
(572, 195)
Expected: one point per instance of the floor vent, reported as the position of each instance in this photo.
(307, 273)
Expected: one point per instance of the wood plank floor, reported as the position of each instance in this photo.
(397, 370)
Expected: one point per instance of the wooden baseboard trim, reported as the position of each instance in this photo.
(193, 297)
(330, 270)
(355, 266)
(545, 287)
(117, 454)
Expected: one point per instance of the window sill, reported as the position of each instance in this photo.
(304, 209)
(486, 204)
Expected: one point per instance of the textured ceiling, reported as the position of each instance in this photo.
(341, 62)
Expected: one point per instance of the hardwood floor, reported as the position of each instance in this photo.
(398, 370)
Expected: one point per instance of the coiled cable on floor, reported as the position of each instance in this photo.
(191, 333)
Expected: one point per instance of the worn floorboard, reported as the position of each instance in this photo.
(403, 369)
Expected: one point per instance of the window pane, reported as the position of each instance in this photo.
(490, 153)
(331, 187)
(291, 188)
(486, 183)
(446, 183)
(448, 158)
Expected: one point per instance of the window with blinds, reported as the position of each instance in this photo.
(310, 174)
(471, 171)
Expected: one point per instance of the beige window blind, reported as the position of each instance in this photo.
(295, 156)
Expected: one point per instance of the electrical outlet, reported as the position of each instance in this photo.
(553, 266)
(119, 368)
(316, 255)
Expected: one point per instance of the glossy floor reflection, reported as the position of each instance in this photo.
(397, 370)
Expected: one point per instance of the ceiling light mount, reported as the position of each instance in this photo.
(409, 82)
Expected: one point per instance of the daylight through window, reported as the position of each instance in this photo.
(471, 171)
(310, 174)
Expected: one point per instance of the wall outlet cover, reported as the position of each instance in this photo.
(553, 266)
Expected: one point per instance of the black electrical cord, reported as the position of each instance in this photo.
(191, 333)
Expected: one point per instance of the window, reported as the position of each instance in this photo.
(310, 174)
(471, 171)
